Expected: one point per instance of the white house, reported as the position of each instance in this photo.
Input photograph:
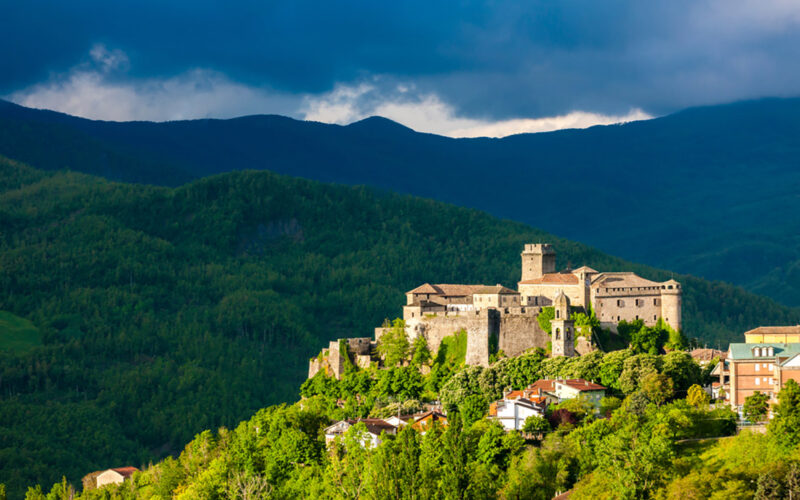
(115, 476)
(375, 426)
(512, 413)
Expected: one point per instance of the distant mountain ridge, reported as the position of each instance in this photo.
(709, 191)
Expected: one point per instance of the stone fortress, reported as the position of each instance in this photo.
(509, 320)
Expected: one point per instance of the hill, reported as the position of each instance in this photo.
(705, 191)
(165, 311)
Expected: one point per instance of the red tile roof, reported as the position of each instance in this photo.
(580, 384)
(546, 385)
(447, 290)
(125, 471)
(553, 279)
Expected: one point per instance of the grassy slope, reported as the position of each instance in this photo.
(167, 311)
(17, 334)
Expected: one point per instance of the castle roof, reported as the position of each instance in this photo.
(775, 330)
(424, 288)
(584, 269)
(553, 279)
(447, 290)
(623, 280)
(496, 290)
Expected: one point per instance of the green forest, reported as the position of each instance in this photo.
(654, 435)
(149, 314)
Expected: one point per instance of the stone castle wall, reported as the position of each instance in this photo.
(519, 333)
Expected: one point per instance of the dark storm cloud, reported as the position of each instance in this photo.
(493, 59)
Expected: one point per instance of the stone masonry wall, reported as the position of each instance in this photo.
(519, 333)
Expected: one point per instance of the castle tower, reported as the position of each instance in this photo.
(671, 304)
(562, 329)
(537, 259)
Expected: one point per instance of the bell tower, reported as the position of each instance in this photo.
(562, 328)
(538, 259)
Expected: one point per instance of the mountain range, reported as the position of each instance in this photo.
(708, 191)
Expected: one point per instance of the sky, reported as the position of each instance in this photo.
(462, 69)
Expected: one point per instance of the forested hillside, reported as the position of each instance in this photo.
(705, 191)
(166, 311)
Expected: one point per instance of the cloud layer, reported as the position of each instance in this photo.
(98, 89)
(471, 64)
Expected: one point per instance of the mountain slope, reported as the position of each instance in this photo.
(166, 311)
(708, 191)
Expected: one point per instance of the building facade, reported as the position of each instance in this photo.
(763, 367)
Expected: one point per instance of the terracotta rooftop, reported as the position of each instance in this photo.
(497, 289)
(585, 269)
(374, 425)
(775, 330)
(546, 385)
(447, 290)
(580, 384)
(125, 471)
(623, 280)
(707, 354)
(553, 279)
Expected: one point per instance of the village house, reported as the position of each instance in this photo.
(515, 408)
(558, 390)
(99, 479)
(424, 421)
(375, 427)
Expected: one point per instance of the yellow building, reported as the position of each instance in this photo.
(773, 335)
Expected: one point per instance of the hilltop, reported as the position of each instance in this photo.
(703, 191)
(165, 311)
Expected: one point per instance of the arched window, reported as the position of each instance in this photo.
(558, 333)
(558, 314)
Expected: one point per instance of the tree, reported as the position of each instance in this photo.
(536, 424)
(682, 369)
(393, 344)
(785, 425)
(657, 387)
(472, 408)
(698, 397)
(608, 404)
(420, 352)
(756, 406)
(635, 370)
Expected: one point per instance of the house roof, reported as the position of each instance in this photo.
(448, 290)
(584, 269)
(514, 395)
(623, 280)
(745, 351)
(497, 289)
(553, 279)
(125, 471)
(580, 384)
(424, 288)
(775, 330)
(545, 384)
(707, 354)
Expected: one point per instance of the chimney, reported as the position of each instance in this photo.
(539, 391)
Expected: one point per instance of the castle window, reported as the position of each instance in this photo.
(620, 303)
(558, 314)
(655, 302)
(655, 318)
(558, 334)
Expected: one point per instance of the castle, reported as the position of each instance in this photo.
(508, 320)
